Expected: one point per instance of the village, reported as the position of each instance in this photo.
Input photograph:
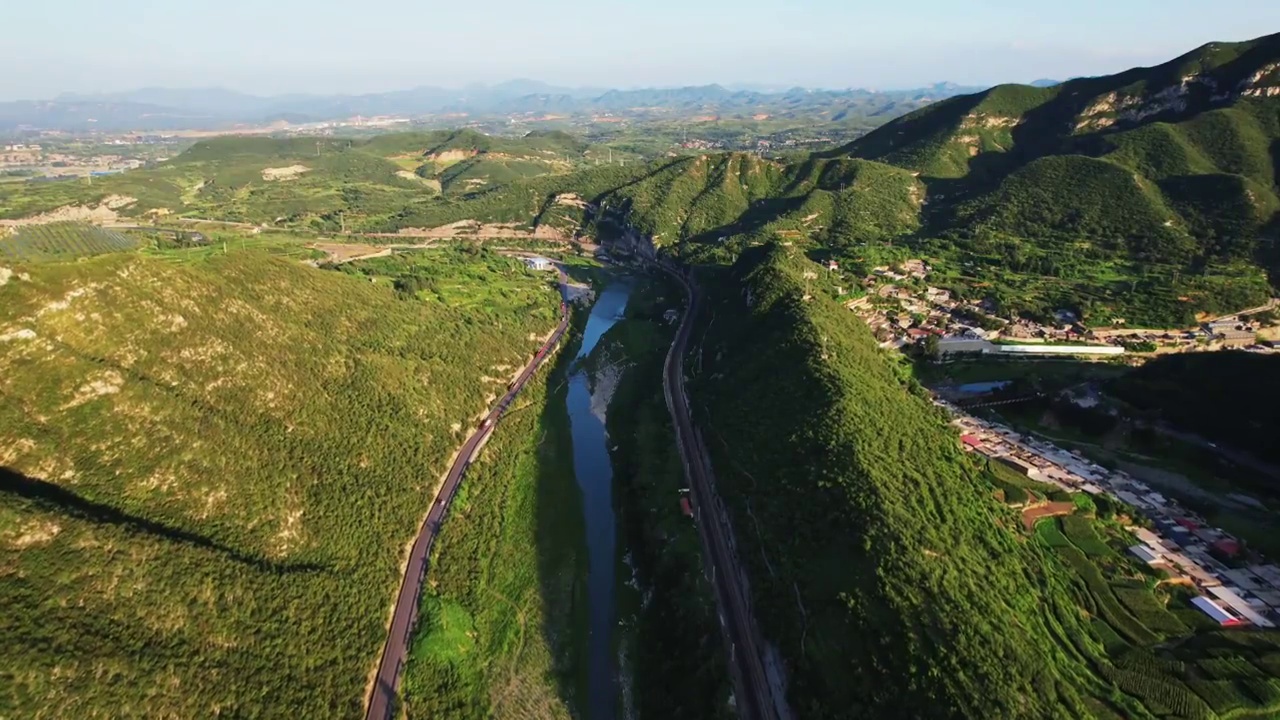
(1178, 542)
(39, 162)
(903, 310)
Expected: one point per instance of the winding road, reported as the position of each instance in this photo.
(752, 690)
(382, 700)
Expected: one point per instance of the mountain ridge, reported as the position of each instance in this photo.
(178, 108)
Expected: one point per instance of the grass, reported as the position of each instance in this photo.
(1049, 532)
(1079, 529)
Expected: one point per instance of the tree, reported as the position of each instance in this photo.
(932, 349)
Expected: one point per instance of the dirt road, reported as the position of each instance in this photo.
(383, 699)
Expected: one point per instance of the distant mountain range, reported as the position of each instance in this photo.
(172, 109)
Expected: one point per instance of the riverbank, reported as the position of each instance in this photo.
(670, 658)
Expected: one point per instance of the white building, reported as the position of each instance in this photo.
(1214, 610)
(538, 263)
(1233, 600)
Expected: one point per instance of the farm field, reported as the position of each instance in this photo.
(62, 240)
(1165, 652)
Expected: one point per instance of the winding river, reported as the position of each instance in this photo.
(594, 473)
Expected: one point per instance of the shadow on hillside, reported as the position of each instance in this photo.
(561, 534)
(56, 499)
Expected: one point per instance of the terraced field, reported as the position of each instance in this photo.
(62, 240)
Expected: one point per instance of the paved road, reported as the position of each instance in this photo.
(752, 690)
(382, 701)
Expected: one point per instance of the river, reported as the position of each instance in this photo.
(591, 466)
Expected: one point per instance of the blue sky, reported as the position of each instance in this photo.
(276, 46)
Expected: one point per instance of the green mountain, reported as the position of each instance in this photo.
(210, 464)
(884, 566)
(306, 182)
(1149, 196)
(1169, 170)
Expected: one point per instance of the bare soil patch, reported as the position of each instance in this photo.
(284, 173)
(1033, 514)
(346, 252)
(103, 213)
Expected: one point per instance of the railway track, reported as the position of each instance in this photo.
(381, 703)
(752, 689)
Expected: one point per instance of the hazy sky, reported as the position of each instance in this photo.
(275, 46)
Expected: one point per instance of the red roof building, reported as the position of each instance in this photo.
(685, 507)
(1227, 547)
(971, 440)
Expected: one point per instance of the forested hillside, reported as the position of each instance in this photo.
(1233, 397)
(877, 562)
(211, 466)
(1149, 196)
(882, 566)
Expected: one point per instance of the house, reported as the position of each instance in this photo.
(1232, 599)
(537, 263)
(1237, 338)
(1146, 554)
(1020, 466)
(1215, 611)
(1226, 547)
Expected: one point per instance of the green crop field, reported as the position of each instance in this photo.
(62, 240)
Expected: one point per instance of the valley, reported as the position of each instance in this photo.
(899, 421)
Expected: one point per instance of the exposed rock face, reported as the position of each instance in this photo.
(632, 242)
(1115, 108)
(989, 121)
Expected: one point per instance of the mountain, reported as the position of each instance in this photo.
(1044, 82)
(1168, 171)
(1149, 196)
(213, 108)
(872, 544)
(317, 184)
(207, 487)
